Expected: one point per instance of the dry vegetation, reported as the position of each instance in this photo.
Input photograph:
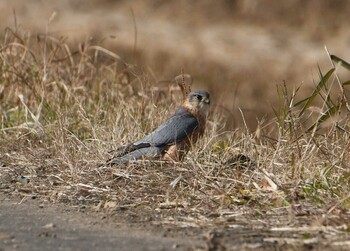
(64, 106)
(237, 49)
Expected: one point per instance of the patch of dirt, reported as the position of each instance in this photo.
(31, 224)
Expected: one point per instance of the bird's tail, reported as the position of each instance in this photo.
(148, 152)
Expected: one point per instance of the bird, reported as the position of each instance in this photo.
(173, 138)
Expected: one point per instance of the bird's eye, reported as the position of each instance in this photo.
(199, 97)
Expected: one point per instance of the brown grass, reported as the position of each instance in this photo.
(239, 50)
(64, 107)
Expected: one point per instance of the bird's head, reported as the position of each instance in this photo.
(198, 102)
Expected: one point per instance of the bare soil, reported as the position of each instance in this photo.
(32, 224)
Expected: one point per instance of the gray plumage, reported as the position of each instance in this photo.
(174, 130)
(150, 152)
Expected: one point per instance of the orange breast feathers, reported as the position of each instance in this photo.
(179, 150)
(200, 114)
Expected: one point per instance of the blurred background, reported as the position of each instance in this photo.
(240, 49)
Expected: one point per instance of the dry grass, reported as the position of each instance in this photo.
(239, 50)
(63, 107)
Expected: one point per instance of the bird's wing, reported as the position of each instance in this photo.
(180, 126)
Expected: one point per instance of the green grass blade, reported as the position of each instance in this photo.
(321, 84)
(343, 63)
(301, 101)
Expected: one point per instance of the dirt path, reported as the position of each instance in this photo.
(35, 225)
(32, 225)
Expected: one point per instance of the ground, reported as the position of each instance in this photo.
(29, 223)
